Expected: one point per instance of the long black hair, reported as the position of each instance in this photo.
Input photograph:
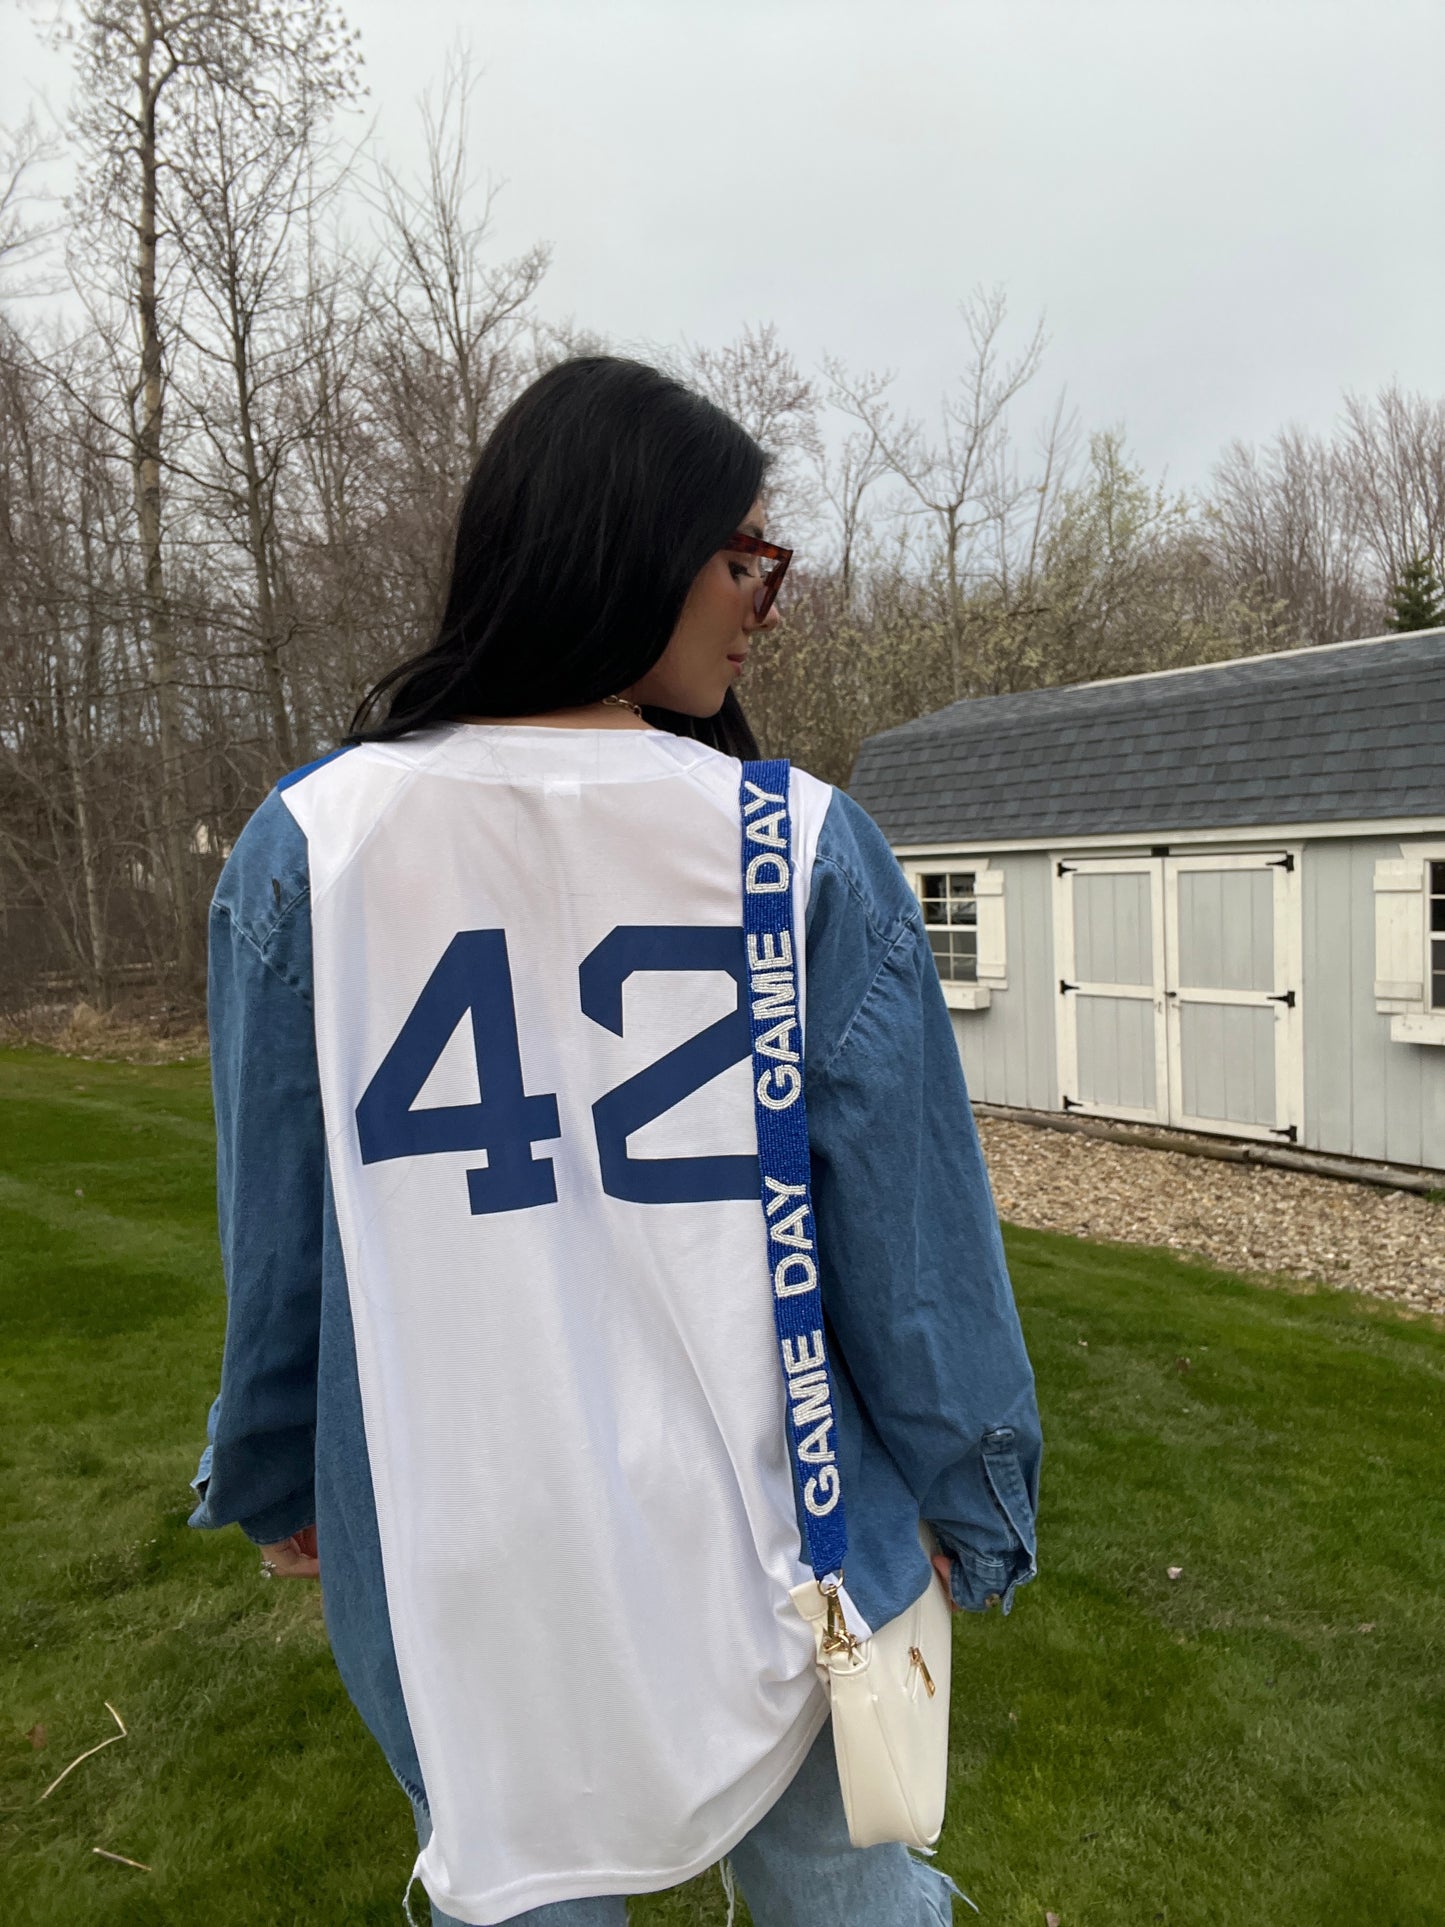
(597, 497)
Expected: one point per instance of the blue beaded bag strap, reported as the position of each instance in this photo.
(773, 967)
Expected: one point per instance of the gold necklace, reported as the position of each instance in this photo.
(621, 702)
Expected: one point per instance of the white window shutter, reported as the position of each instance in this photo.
(1400, 934)
(992, 953)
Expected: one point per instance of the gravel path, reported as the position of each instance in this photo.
(1244, 1218)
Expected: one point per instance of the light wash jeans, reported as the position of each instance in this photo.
(796, 1868)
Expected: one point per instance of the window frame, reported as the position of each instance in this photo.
(990, 927)
(1404, 997)
(949, 927)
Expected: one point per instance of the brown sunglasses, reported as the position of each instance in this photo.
(766, 594)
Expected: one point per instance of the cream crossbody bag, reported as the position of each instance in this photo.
(890, 1692)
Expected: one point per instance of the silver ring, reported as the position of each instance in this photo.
(268, 1569)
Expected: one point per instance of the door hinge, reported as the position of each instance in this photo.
(1285, 862)
(1066, 986)
(1062, 868)
(1284, 1130)
(1069, 1103)
(1282, 997)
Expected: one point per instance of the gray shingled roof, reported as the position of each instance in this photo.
(1317, 735)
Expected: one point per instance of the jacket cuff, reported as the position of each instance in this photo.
(264, 1528)
(977, 1580)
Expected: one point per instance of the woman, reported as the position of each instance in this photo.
(500, 1366)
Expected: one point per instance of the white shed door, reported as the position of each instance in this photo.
(1231, 991)
(1178, 991)
(1113, 1046)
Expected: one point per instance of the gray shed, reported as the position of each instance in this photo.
(1211, 898)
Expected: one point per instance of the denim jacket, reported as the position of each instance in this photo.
(937, 1417)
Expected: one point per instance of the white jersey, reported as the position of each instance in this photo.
(533, 1050)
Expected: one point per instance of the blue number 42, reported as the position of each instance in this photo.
(474, 978)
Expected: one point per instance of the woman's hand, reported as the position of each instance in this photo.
(943, 1565)
(294, 1558)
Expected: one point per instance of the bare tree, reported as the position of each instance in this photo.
(1121, 581)
(166, 90)
(330, 501)
(25, 237)
(968, 483)
(845, 480)
(62, 681)
(758, 382)
(1286, 533)
(451, 341)
(129, 52)
(246, 174)
(448, 303)
(1393, 460)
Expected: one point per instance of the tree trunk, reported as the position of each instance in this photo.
(147, 471)
(98, 972)
(260, 558)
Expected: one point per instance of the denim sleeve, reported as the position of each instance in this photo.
(913, 1269)
(258, 1468)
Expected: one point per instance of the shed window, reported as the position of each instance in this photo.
(950, 916)
(1437, 936)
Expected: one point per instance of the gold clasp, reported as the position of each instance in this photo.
(836, 1636)
(921, 1663)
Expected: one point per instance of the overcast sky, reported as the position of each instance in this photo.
(1228, 211)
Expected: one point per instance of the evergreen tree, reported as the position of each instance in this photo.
(1417, 600)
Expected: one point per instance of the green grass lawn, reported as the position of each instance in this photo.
(1258, 1741)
